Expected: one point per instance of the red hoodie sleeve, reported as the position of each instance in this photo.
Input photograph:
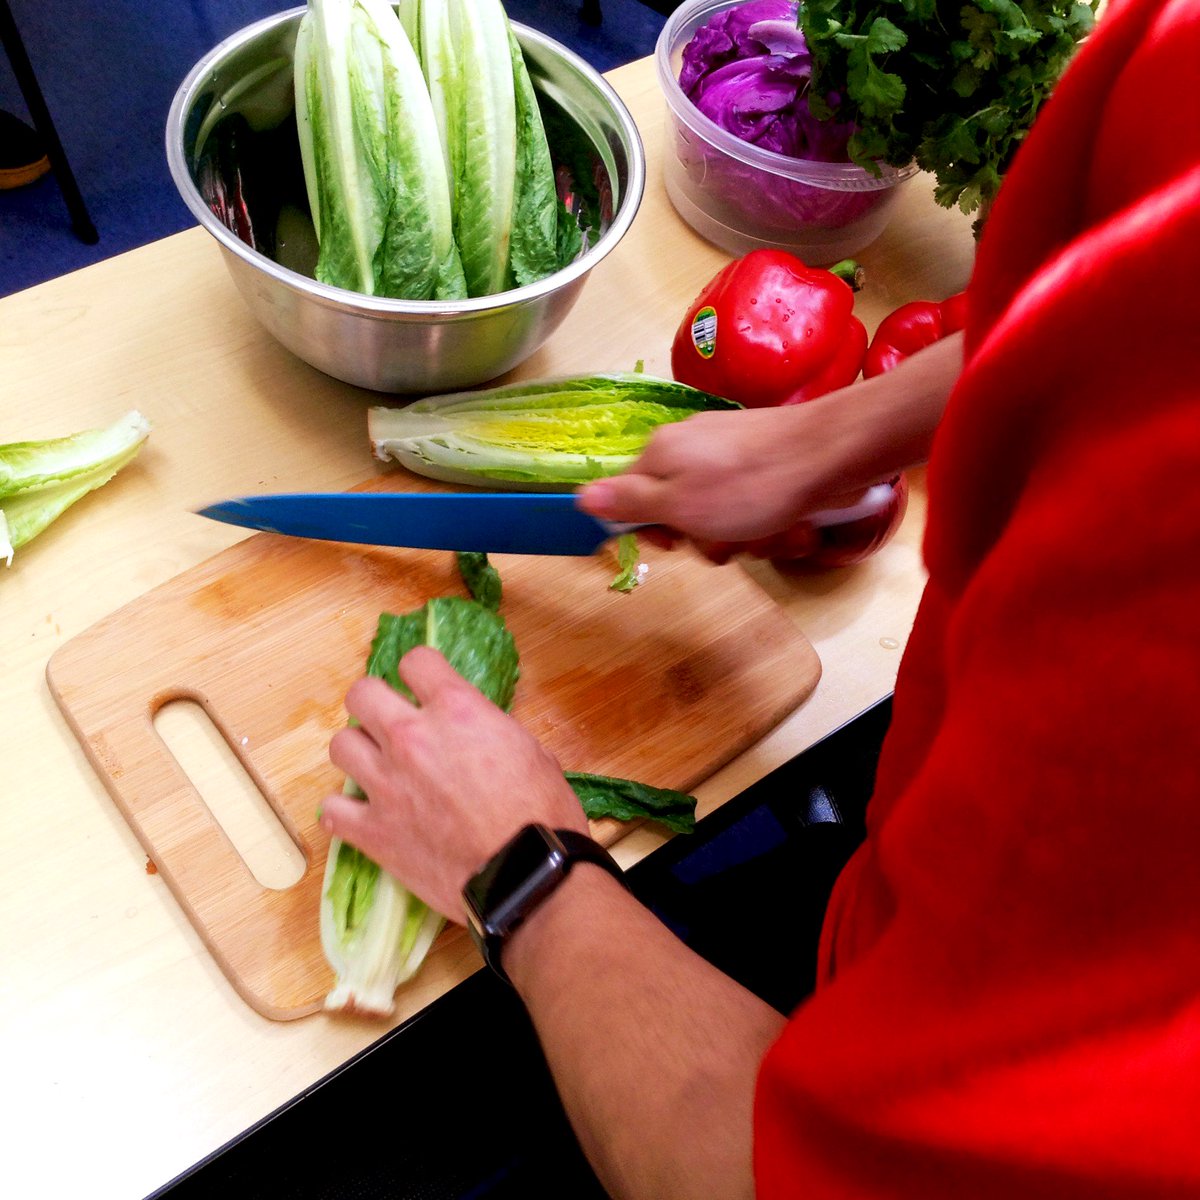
(1011, 1002)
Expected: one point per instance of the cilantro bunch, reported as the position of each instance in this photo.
(953, 84)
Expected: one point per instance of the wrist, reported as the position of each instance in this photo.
(520, 879)
(565, 919)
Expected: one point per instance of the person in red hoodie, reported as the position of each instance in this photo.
(1009, 995)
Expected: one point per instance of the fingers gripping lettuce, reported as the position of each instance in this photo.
(374, 932)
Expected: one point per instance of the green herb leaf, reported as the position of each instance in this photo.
(954, 86)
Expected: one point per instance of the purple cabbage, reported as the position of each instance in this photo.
(757, 27)
(748, 70)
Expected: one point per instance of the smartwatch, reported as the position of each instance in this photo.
(511, 885)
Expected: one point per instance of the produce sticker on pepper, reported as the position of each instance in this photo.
(788, 331)
(704, 331)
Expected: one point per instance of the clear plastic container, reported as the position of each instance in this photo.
(742, 197)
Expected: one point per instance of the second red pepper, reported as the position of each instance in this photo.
(769, 330)
(912, 327)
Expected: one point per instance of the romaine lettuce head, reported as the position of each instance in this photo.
(374, 932)
(537, 436)
(374, 168)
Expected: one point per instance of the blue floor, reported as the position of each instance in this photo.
(108, 71)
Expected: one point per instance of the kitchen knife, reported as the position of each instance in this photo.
(489, 522)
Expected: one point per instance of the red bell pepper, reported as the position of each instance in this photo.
(912, 327)
(768, 330)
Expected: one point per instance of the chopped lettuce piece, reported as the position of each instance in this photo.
(40, 480)
(629, 559)
(628, 800)
(481, 578)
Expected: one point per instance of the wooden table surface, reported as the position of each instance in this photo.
(126, 1054)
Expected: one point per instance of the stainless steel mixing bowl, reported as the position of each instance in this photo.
(245, 85)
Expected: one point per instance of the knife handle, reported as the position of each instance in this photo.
(874, 500)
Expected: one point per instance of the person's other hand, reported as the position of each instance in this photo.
(449, 780)
(731, 482)
(718, 476)
(743, 481)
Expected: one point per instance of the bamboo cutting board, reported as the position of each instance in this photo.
(664, 685)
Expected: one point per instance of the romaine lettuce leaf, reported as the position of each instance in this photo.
(375, 933)
(628, 800)
(481, 578)
(40, 480)
(535, 435)
(469, 73)
(373, 161)
(629, 560)
(474, 639)
(534, 249)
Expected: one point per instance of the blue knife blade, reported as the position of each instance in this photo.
(487, 522)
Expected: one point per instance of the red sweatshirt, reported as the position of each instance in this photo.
(1010, 1004)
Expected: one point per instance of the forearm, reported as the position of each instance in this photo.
(654, 1051)
(737, 476)
(884, 425)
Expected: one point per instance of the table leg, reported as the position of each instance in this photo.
(10, 37)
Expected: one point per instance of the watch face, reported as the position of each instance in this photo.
(515, 880)
(519, 878)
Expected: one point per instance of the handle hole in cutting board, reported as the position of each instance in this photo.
(232, 797)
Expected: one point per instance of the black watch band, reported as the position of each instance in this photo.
(524, 873)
